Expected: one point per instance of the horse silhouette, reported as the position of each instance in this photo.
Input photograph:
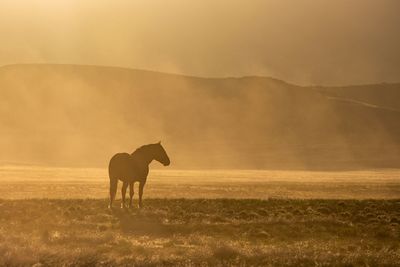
(131, 168)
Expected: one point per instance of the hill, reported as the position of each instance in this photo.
(69, 115)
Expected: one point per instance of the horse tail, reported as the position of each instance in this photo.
(113, 184)
(113, 189)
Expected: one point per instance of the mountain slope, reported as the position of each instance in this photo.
(81, 115)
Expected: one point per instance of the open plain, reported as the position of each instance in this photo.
(59, 216)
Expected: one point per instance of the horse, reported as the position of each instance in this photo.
(131, 168)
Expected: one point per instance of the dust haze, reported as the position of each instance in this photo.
(68, 115)
(279, 123)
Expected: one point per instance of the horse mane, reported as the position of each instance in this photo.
(140, 149)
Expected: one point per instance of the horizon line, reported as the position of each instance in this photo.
(199, 76)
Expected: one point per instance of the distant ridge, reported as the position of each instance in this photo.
(141, 70)
(79, 115)
(361, 85)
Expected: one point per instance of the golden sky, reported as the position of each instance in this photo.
(300, 41)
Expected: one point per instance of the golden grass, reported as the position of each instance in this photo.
(200, 232)
(17, 182)
(59, 217)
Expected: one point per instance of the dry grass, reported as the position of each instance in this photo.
(203, 232)
(58, 217)
(18, 182)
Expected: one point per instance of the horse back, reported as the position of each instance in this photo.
(125, 167)
(120, 166)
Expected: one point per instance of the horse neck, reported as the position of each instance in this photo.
(144, 156)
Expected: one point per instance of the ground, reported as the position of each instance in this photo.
(214, 218)
(201, 232)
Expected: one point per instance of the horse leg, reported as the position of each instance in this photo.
(130, 194)
(123, 192)
(141, 185)
(113, 190)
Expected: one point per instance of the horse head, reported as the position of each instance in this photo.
(161, 155)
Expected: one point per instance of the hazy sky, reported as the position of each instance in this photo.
(301, 41)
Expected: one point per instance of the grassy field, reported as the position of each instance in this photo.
(59, 217)
(202, 232)
(17, 182)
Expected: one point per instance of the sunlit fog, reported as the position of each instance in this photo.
(199, 133)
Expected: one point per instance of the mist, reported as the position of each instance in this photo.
(104, 82)
(69, 115)
(304, 42)
(199, 133)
